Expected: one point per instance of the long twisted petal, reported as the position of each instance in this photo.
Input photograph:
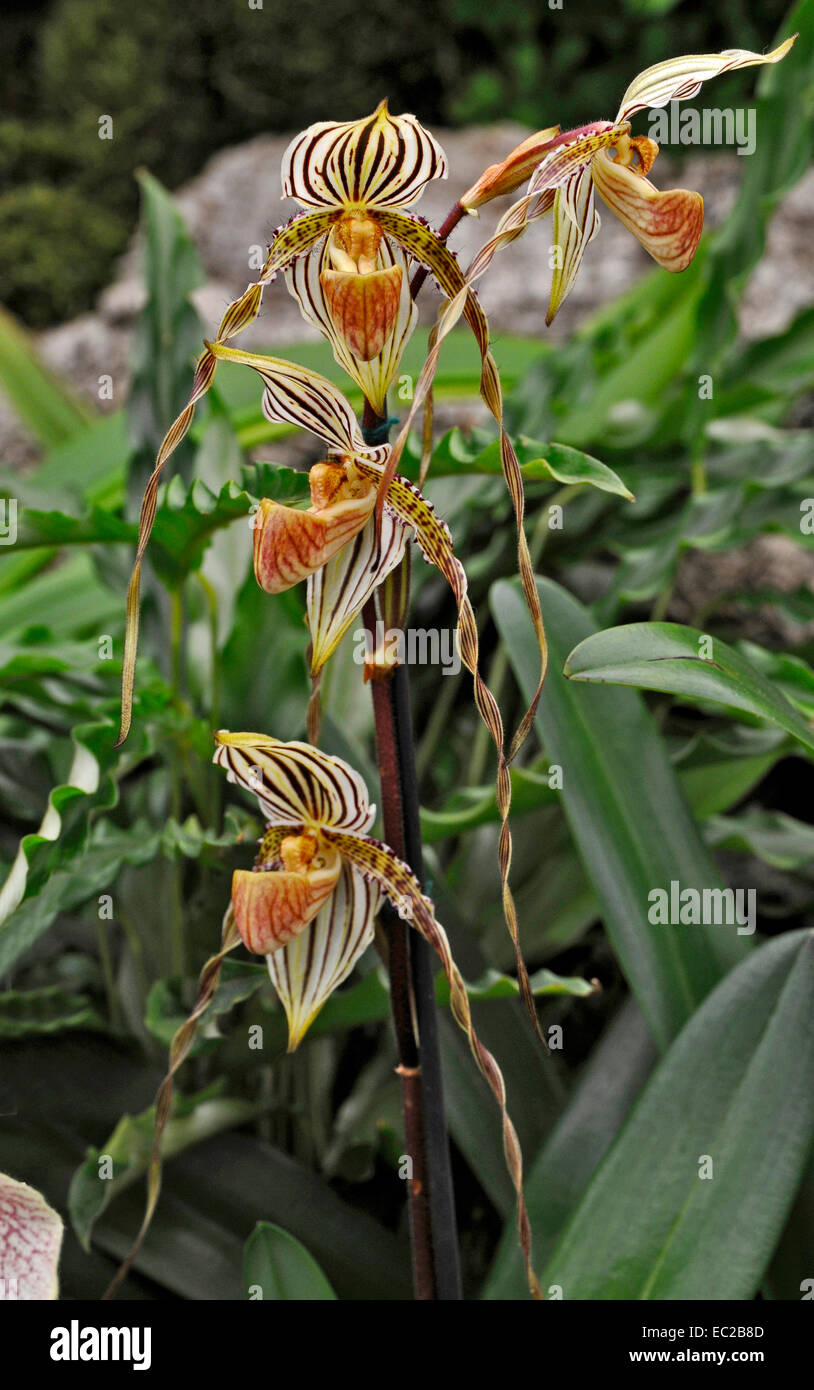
(289, 242)
(401, 886)
(463, 301)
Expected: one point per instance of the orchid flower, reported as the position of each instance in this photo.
(310, 902)
(30, 1242)
(606, 158)
(355, 287)
(354, 179)
(334, 545)
(309, 906)
(338, 548)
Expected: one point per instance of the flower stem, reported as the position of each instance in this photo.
(433, 1230)
(412, 988)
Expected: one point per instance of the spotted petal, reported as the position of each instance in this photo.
(679, 79)
(307, 971)
(375, 376)
(667, 224)
(381, 161)
(576, 223)
(30, 1242)
(567, 159)
(295, 784)
(339, 590)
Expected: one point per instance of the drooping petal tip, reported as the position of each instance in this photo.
(680, 79)
(307, 971)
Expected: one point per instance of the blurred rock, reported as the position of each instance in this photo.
(234, 205)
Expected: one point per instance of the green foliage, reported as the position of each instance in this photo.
(733, 1096)
(678, 1041)
(666, 656)
(279, 1267)
(56, 251)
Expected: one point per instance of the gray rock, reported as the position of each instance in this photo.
(234, 205)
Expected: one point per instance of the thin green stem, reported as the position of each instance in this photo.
(214, 679)
(698, 470)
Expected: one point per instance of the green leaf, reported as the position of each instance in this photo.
(189, 517)
(165, 1012)
(719, 770)
(734, 1091)
(474, 806)
(626, 813)
(771, 836)
(278, 1267)
(612, 1079)
(212, 1193)
(42, 401)
(167, 338)
(49, 1009)
(90, 466)
(52, 528)
(684, 662)
(365, 1001)
(453, 456)
(70, 598)
(63, 865)
(126, 1154)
